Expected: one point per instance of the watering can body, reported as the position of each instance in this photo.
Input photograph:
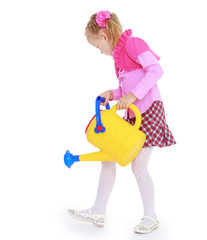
(117, 139)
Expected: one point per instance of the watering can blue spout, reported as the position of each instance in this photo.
(69, 158)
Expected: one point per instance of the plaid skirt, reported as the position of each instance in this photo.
(155, 127)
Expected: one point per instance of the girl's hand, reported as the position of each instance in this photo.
(125, 101)
(108, 95)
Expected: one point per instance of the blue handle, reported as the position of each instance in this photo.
(103, 100)
(99, 126)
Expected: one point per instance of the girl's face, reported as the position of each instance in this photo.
(101, 41)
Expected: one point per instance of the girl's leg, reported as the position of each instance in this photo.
(96, 214)
(144, 181)
(105, 186)
(106, 183)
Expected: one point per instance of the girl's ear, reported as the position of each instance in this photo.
(104, 35)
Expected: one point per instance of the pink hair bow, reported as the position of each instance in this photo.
(101, 18)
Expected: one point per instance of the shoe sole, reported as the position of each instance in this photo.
(147, 231)
(87, 219)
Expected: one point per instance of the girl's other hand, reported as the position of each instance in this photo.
(108, 95)
(125, 101)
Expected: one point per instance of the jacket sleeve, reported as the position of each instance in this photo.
(153, 73)
(117, 93)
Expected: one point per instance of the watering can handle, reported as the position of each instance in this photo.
(103, 100)
(99, 126)
(136, 112)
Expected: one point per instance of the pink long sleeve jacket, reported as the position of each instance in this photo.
(138, 70)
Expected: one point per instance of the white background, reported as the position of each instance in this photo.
(49, 79)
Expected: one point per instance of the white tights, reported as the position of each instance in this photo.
(144, 181)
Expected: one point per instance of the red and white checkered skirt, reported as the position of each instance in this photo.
(155, 127)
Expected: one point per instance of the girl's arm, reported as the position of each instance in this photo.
(153, 73)
(114, 94)
(117, 93)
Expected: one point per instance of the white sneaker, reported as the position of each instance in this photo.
(97, 219)
(147, 229)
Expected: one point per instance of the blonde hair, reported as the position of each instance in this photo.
(113, 28)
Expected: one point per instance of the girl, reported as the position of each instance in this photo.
(138, 70)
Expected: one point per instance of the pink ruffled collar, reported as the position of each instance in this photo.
(117, 50)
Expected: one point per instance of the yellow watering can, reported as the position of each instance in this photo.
(117, 140)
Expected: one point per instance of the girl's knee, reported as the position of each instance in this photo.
(109, 166)
(138, 169)
(133, 166)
